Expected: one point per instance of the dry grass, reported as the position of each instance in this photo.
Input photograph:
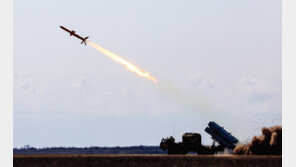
(136, 160)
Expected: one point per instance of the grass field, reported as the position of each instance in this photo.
(137, 160)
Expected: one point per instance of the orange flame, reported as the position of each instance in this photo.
(128, 65)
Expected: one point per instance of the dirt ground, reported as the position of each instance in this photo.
(136, 160)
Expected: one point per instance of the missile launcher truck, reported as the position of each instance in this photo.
(191, 142)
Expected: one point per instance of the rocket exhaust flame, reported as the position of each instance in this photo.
(131, 67)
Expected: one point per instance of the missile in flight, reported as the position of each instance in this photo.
(74, 34)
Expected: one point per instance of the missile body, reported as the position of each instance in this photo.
(74, 34)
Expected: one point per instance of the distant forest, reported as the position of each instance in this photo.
(90, 150)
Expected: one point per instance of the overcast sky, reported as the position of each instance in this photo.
(214, 61)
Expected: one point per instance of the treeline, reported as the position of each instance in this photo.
(90, 150)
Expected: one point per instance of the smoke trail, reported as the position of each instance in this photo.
(197, 103)
(188, 100)
(127, 64)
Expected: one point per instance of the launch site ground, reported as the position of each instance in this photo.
(144, 160)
